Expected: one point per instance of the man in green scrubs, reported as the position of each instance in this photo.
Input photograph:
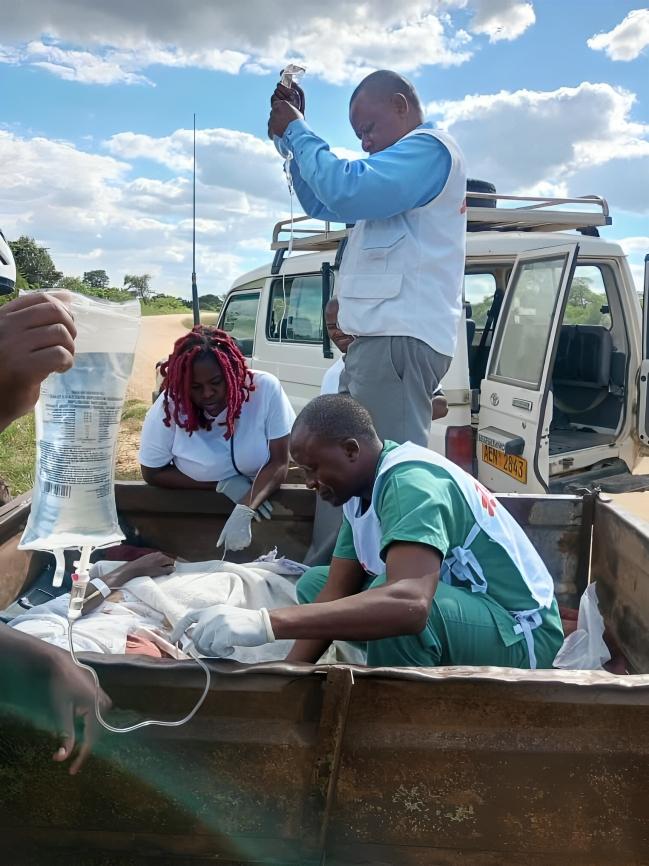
(429, 569)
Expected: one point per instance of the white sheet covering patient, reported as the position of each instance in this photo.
(151, 607)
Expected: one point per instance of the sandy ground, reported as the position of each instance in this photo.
(157, 336)
(156, 340)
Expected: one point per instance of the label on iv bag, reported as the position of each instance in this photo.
(77, 424)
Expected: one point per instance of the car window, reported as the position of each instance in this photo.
(531, 301)
(479, 291)
(587, 300)
(295, 314)
(239, 318)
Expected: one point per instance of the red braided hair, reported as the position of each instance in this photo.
(204, 341)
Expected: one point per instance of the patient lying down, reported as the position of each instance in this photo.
(151, 594)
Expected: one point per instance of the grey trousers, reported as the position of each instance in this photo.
(394, 378)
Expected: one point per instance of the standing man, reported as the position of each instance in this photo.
(400, 282)
(342, 342)
(327, 519)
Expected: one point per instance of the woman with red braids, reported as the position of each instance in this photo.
(218, 424)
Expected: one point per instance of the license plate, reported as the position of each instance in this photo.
(510, 464)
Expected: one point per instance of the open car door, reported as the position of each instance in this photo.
(643, 382)
(515, 401)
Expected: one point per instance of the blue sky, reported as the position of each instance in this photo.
(545, 96)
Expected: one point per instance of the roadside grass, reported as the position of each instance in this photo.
(17, 455)
(127, 466)
(18, 449)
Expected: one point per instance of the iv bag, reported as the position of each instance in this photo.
(77, 422)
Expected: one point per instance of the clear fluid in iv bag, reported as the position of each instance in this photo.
(77, 420)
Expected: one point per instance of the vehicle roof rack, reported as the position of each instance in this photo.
(535, 214)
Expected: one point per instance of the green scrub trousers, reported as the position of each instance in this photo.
(462, 629)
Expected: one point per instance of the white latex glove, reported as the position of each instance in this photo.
(238, 486)
(237, 532)
(218, 629)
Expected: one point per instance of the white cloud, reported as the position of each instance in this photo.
(225, 158)
(635, 244)
(90, 210)
(627, 40)
(637, 272)
(98, 42)
(502, 19)
(117, 66)
(577, 140)
(80, 66)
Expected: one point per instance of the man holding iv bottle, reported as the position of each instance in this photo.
(400, 280)
(37, 335)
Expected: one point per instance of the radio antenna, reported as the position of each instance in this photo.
(195, 308)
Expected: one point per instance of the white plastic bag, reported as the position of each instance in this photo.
(585, 649)
(77, 422)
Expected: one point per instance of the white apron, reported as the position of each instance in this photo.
(460, 562)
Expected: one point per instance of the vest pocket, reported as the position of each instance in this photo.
(378, 248)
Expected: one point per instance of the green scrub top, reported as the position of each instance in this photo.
(421, 502)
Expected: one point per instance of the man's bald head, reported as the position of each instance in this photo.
(383, 108)
(384, 84)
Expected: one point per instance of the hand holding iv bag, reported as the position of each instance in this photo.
(77, 422)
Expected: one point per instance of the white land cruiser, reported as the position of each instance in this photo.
(548, 387)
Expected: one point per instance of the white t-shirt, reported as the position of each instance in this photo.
(206, 455)
(331, 377)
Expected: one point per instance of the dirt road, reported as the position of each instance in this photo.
(157, 337)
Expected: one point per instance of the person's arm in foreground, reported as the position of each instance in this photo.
(50, 690)
(346, 578)
(36, 338)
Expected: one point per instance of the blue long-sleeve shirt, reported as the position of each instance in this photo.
(404, 176)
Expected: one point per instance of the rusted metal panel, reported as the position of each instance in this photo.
(188, 523)
(320, 799)
(17, 567)
(447, 766)
(620, 567)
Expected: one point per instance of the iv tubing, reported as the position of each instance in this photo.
(148, 722)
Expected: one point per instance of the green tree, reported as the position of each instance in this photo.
(34, 263)
(96, 279)
(72, 284)
(586, 307)
(139, 285)
(210, 303)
